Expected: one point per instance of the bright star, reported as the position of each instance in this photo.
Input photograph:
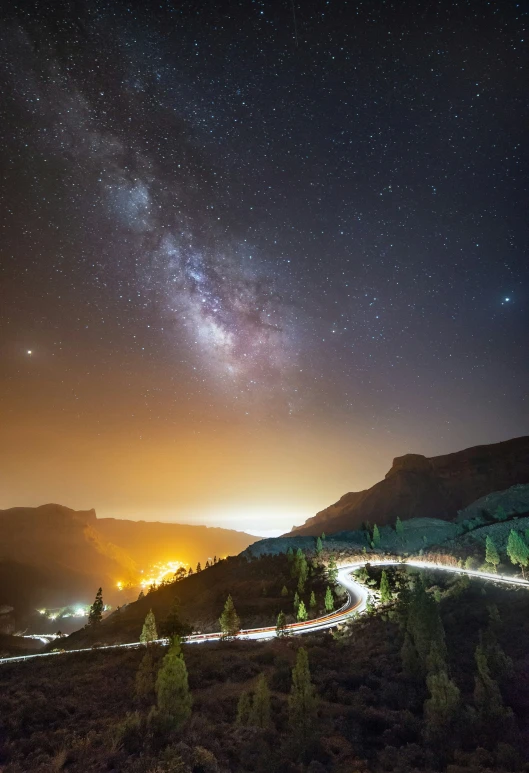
(29, 352)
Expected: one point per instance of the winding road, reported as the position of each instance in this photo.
(357, 596)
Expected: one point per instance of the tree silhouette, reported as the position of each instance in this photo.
(229, 621)
(259, 715)
(491, 553)
(172, 688)
(302, 704)
(95, 613)
(149, 632)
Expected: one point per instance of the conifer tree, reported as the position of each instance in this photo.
(190, 571)
(144, 681)
(500, 514)
(376, 536)
(301, 586)
(281, 624)
(199, 568)
(323, 537)
(517, 550)
(243, 709)
(173, 625)
(141, 595)
(329, 600)
(296, 602)
(424, 623)
(95, 613)
(229, 621)
(260, 710)
(411, 664)
(290, 555)
(302, 612)
(149, 632)
(399, 528)
(497, 720)
(332, 570)
(319, 546)
(491, 553)
(370, 605)
(172, 689)
(284, 591)
(312, 602)
(441, 708)
(302, 702)
(385, 592)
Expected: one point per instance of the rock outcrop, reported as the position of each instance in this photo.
(417, 487)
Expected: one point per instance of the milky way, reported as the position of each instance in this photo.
(331, 225)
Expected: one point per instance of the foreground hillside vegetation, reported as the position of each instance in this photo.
(436, 680)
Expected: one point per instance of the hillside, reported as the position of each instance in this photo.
(418, 487)
(52, 556)
(81, 712)
(255, 587)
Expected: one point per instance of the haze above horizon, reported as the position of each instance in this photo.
(238, 276)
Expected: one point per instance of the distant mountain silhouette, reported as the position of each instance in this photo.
(418, 487)
(53, 556)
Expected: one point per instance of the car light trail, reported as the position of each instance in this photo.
(357, 596)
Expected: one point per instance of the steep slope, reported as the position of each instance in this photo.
(435, 488)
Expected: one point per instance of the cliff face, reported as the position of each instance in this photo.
(418, 487)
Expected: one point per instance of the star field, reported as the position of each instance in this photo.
(216, 222)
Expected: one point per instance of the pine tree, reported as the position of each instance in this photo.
(332, 570)
(281, 624)
(229, 621)
(496, 718)
(323, 537)
(173, 624)
(302, 702)
(296, 602)
(517, 550)
(370, 605)
(290, 555)
(190, 571)
(260, 710)
(385, 592)
(302, 613)
(491, 553)
(424, 623)
(301, 586)
(329, 600)
(411, 664)
(95, 613)
(319, 546)
(284, 591)
(144, 682)
(399, 528)
(199, 568)
(149, 632)
(500, 514)
(376, 536)
(141, 595)
(172, 688)
(243, 709)
(441, 708)
(312, 602)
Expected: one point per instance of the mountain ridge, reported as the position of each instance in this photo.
(420, 486)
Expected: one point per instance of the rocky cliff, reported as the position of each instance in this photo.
(437, 487)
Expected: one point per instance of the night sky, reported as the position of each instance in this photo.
(251, 251)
